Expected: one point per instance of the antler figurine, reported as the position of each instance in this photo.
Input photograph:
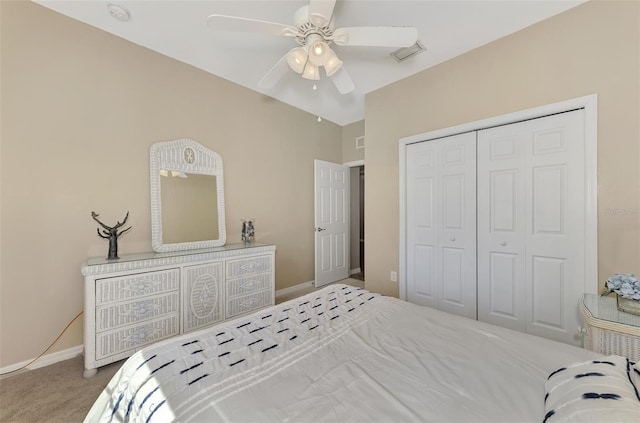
(112, 234)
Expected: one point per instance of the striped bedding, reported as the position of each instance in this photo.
(341, 354)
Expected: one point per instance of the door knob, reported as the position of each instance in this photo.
(453, 238)
(503, 243)
(321, 229)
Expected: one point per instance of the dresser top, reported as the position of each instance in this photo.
(98, 265)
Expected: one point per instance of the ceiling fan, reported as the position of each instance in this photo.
(314, 32)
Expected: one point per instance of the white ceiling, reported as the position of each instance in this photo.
(178, 29)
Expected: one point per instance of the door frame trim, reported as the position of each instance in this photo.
(590, 105)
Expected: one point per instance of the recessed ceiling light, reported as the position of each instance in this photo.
(119, 12)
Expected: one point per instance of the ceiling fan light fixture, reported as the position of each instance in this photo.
(311, 72)
(333, 64)
(297, 59)
(319, 53)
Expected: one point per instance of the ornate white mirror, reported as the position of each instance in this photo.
(187, 196)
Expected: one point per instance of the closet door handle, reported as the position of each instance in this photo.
(453, 238)
(503, 243)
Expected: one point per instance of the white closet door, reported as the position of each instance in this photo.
(501, 226)
(422, 218)
(441, 207)
(531, 216)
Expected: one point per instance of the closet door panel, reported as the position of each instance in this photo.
(548, 293)
(457, 226)
(501, 226)
(555, 227)
(503, 191)
(423, 272)
(441, 242)
(422, 215)
(503, 293)
(452, 258)
(453, 277)
(531, 206)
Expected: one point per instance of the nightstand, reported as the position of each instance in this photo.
(610, 331)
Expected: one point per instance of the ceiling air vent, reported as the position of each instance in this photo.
(404, 53)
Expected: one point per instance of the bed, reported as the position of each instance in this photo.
(343, 354)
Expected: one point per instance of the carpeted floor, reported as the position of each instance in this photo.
(59, 394)
(52, 394)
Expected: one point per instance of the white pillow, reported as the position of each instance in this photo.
(599, 391)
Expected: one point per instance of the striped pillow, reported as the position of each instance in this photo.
(604, 390)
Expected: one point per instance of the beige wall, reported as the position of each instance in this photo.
(349, 134)
(80, 109)
(591, 49)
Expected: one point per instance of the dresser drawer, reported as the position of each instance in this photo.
(248, 284)
(247, 303)
(129, 287)
(247, 266)
(132, 337)
(121, 314)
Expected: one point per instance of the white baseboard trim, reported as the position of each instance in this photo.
(46, 360)
(354, 271)
(295, 288)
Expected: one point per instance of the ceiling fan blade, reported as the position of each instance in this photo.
(342, 81)
(234, 23)
(376, 36)
(320, 11)
(275, 73)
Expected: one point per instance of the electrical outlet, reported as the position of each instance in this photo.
(394, 276)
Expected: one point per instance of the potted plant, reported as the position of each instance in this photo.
(627, 288)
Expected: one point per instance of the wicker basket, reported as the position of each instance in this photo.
(628, 305)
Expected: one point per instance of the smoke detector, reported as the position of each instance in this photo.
(119, 12)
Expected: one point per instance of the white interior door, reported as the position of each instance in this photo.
(441, 224)
(331, 188)
(531, 217)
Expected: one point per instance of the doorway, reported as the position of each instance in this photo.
(339, 221)
(357, 222)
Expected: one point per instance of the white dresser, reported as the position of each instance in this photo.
(142, 298)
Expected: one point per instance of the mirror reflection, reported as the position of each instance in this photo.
(189, 207)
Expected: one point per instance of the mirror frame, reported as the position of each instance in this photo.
(188, 156)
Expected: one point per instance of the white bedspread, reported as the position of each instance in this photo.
(339, 355)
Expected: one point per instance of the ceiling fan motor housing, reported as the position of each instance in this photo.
(307, 27)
